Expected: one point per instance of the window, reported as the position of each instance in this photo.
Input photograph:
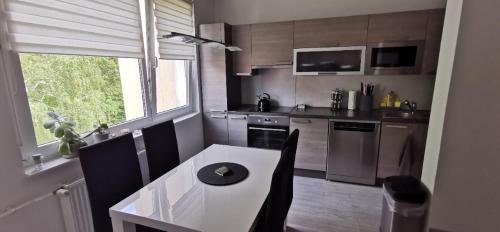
(94, 62)
(87, 89)
(172, 78)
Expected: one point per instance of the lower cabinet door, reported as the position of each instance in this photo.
(237, 130)
(313, 143)
(215, 127)
(392, 143)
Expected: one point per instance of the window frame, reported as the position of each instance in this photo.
(20, 108)
(192, 79)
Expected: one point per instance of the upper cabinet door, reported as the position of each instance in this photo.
(213, 70)
(242, 61)
(213, 32)
(433, 41)
(396, 27)
(272, 44)
(332, 32)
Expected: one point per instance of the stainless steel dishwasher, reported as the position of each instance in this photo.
(353, 151)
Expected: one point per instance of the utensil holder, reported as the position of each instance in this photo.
(365, 103)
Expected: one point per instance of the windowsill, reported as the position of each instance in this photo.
(54, 163)
(49, 165)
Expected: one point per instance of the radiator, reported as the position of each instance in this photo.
(75, 206)
(75, 202)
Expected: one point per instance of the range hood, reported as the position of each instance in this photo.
(189, 39)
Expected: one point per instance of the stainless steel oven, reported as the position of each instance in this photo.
(269, 132)
(394, 58)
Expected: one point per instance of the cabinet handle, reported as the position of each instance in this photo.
(217, 111)
(218, 116)
(307, 121)
(243, 74)
(327, 73)
(266, 129)
(396, 126)
(238, 117)
(283, 62)
(329, 44)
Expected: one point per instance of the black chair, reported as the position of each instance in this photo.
(275, 209)
(160, 142)
(112, 173)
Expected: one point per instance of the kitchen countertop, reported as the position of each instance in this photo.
(252, 109)
(421, 116)
(378, 115)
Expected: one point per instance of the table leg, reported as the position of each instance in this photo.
(122, 226)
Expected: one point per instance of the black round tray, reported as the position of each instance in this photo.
(207, 174)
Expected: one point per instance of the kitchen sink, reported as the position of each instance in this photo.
(405, 114)
(398, 115)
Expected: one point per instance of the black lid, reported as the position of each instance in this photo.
(405, 189)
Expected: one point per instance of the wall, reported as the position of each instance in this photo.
(17, 188)
(468, 181)
(257, 11)
(440, 96)
(289, 90)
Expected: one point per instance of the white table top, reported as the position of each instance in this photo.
(178, 201)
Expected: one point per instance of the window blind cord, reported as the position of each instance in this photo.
(11, 210)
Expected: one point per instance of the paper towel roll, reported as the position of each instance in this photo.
(352, 100)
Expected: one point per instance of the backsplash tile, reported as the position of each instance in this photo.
(289, 90)
(278, 82)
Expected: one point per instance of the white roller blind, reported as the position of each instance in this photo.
(75, 27)
(174, 16)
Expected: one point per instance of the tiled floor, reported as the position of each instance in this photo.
(320, 205)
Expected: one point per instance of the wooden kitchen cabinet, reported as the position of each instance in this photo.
(392, 141)
(272, 44)
(219, 90)
(313, 143)
(237, 130)
(397, 27)
(216, 128)
(242, 60)
(433, 41)
(331, 32)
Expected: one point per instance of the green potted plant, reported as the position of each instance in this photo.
(101, 133)
(63, 128)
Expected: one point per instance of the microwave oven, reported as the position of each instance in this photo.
(329, 61)
(394, 58)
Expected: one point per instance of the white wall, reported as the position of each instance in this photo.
(257, 11)
(467, 187)
(16, 187)
(441, 88)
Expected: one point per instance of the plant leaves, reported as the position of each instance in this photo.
(59, 132)
(49, 124)
(53, 115)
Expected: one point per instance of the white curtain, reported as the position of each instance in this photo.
(174, 16)
(75, 27)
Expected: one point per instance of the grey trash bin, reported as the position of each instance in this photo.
(405, 205)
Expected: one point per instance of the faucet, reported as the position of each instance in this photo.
(412, 106)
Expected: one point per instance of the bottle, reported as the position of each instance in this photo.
(391, 99)
(383, 102)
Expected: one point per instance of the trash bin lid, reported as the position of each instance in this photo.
(405, 189)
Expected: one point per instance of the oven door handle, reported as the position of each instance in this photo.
(266, 129)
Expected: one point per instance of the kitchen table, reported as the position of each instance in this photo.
(178, 201)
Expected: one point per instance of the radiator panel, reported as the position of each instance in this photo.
(75, 206)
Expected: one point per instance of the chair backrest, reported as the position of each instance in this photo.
(280, 196)
(162, 151)
(112, 173)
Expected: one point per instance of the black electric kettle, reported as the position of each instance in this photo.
(264, 104)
